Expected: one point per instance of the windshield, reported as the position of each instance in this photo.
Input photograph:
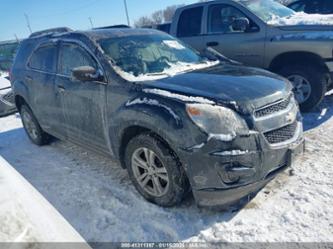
(268, 10)
(141, 57)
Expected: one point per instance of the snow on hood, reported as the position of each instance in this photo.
(4, 83)
(174, 69)
(301, 18)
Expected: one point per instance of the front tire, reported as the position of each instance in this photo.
(32, 127)
(155, 171)
(309, 82)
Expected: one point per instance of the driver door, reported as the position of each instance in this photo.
(83, 103)
(244, 46)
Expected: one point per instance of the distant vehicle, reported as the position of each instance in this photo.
(313, 6)
(165, 27)
(264, 34)
(7, 53)
(7, 103)
(175, 119)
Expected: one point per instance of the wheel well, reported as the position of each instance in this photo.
(133, 131)
(294, 58)
(19, 101)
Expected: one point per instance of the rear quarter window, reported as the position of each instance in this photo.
(189, 23)
(44, 58)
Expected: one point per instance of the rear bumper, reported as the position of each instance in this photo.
(219, 198)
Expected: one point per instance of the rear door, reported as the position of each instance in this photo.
(40, 79)
(83, 103)
(247, 47)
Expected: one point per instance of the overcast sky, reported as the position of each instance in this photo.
(45, 14)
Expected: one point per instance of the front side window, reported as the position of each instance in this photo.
(72, 56)
(221, 18)
(44, 58)
(190, 22)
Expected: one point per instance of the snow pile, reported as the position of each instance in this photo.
(174, 69)
(25, 216)
(301, 18)
(181, 97)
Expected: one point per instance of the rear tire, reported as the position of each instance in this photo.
(32, 127)
(162, 168)
(309, 81)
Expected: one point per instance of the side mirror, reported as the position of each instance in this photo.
(241, 24)
(87, 73)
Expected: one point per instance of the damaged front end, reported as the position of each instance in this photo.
(250, 149)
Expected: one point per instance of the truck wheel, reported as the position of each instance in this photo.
(32, 127)
(310, 84)
(155, 171)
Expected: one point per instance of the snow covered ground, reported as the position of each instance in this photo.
(26, 216)
(97, 198)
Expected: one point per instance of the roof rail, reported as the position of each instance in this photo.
(50, 32)
(120, 26)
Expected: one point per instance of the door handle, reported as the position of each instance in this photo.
(212, 44)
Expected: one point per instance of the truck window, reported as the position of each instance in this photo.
(190, 22)
(72, 56)
(43, 59)
(221, 17)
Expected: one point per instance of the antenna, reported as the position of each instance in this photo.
(28, 22)
(91, 22)
(127, 15)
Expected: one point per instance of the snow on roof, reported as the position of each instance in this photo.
(301, 18)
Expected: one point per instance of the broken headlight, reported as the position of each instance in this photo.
(217, 119)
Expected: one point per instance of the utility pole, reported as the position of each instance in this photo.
(91, 22)
(28, 22)
(126, 10)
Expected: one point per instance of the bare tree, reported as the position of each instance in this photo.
(169, 12)
(157, 17)
(143, 21)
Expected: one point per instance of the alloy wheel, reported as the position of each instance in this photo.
(302, 88)
(150, 172)
(29, 125)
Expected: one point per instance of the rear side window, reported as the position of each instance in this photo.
(190, 22)
(72, 56)
(44, 58)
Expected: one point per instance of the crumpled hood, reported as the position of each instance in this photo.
(228, 83)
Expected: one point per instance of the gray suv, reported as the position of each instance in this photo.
(264, 34)
(175, 119)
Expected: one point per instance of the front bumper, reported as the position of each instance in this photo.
(222, 172)
(226, 197)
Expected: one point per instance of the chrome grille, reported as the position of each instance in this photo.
(282, 134)
(273, 108)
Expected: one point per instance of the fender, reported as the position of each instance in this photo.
(20, 89)
(147, 113)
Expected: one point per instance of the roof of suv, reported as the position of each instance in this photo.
(97, 34)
